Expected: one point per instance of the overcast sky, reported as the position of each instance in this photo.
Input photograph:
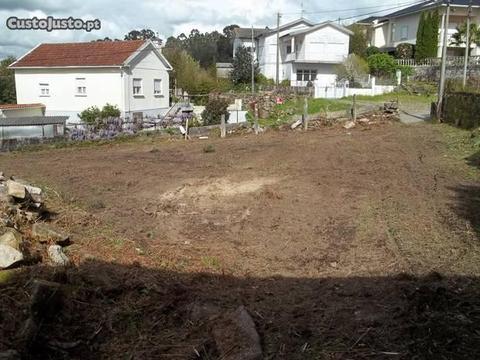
(167, 17)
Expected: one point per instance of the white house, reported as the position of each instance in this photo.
(308, 51)
(70, 77)
(387, 31)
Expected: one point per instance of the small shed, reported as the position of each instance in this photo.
(224, 70)
(32, 126)
(21, 110)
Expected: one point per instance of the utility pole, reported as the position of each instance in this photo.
(467, 45)
(253, 63)
(441, 88)
(277, 77)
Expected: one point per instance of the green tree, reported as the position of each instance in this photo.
(427, 35)
(381, 64)
(187, 72)
(460, 37)
(420, 52)
(206, 48)
(358, 41)
(144, 34)
(7, 82)
(352, 69)
(242, 67)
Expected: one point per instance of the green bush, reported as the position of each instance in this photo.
(90, 115)
(406, 70)
(285, 83)
(263, 80)
(381, 64)
(404, 51)
(372, 50)
(110, 111)
(215, 108)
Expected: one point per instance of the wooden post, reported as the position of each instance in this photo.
(186, 129)
(354, 108)
(223, 130)
(43, 131)
(305, 114)
(256, 119)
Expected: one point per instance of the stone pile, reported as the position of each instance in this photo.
(25, 235)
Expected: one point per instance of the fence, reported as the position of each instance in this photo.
(451, 61)
(340, 90)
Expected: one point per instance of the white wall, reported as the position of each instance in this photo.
(326, 44)
(147, 67)
(267, 53)
(103, 86)
(410, 24)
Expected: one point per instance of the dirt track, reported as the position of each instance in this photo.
(312, 232)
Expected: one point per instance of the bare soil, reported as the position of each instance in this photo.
(341, 244)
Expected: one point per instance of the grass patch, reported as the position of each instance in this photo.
(462, 145)
(283, 113)
(211, 262)
(209, 148)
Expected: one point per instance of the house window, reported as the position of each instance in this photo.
(157, 87)
(289, 48)
(137, 87)
(306, 75)
(44, 89)
(80, 87)
(404, 32)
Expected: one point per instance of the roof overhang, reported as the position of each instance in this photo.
(156, 51)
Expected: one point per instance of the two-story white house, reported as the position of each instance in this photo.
(387, 31)
(70, 77)
(308, 51)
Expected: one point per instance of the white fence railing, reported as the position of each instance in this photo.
(340, 90)
(451, 61)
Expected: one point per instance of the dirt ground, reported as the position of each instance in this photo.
(341, 244)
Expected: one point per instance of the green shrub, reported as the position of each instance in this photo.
(404, 51)
(372, 50)
(214, 109)
(406, 70)
(381, 64)
(110, 111)
(263, 80)
(285, 83)
(208, 148)
(90, 115)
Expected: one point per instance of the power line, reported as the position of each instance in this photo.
(353, 9)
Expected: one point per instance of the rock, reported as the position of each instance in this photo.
(12, 238)
(349, 125)
(55, 252)
(10, 355)
(296, 124)
(236, 337)
(35, 193)
(46, 232)
(9, 256)
(16, 189)
(363, 121)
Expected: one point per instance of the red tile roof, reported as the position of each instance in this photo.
(98, 53)
(19, 106)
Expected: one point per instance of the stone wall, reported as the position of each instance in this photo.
(432, 73)
(462, 109)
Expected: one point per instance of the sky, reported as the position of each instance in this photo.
(167, 17)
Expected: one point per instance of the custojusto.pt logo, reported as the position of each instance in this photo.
(50, 23)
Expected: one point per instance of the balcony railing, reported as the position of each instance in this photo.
(451, 61)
